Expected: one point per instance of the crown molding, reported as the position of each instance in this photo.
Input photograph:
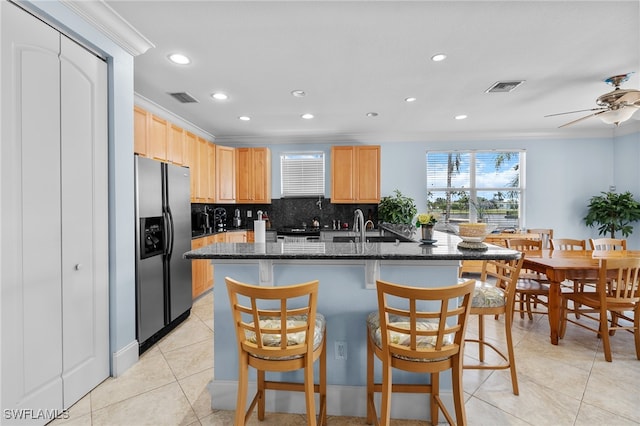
(101, 16)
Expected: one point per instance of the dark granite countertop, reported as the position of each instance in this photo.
(444, 249)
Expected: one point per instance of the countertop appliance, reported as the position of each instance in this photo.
(220, 218)
(237, 221)
(163, 235)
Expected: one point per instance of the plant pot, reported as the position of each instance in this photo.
(427, 232)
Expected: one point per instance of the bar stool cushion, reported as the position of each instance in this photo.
(487, 295)
(424, 342)
(292, 338)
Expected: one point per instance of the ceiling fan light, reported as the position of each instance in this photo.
(617, 116)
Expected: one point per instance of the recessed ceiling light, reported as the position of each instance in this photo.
(307, 116)
(219, 96)
(372, 114)
(179, 59)
(439, 57)
(460, 117)
(410, 99)
(298, 93)
(244, 118)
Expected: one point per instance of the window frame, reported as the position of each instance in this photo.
(473, 189)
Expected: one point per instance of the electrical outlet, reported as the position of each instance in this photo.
(249, 213)
(341, 349)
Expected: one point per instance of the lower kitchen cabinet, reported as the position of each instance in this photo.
(201, 270)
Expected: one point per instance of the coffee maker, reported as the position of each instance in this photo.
(237, 221)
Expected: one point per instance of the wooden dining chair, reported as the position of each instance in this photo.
(617, 292)
(419, 330)
(546, 235)
(278, 329)
(577, 279)
(608, 244)
(531, 289)
(494, 295)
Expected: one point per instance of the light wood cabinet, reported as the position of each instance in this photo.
(157, 138)
(236, 237)
(176, 145)
(202, 270)
(140, 130)
(202, 190)
(225, 170)
(253, 175)
(191, 148)
(355, 174)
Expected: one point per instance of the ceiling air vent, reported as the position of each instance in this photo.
(184, 97)
(504, 86)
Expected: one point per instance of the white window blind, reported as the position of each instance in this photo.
(302, 174)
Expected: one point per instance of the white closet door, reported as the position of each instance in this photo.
(30, 232)
(85, 284)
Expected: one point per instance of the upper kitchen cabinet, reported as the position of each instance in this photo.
(140, 131)
(253, 175)
(225, 169)
(355, 174)
(176, 145)
(157, 138)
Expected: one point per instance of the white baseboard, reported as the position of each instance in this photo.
(126, 357)
(341, 401)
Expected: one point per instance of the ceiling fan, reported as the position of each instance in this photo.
(615, 106)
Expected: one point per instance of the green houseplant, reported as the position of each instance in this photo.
(397, 209)
(612, 213)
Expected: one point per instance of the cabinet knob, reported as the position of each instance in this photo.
(78, 266)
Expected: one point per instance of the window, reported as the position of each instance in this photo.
(482, 186)
(302, 174)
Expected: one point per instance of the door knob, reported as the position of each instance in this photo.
(78, 266)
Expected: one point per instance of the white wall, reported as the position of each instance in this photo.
(626, 172)
(560, 175)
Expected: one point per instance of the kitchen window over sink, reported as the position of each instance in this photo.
(476, 186)
(302, 174)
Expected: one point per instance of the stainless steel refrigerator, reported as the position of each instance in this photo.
(163, 235)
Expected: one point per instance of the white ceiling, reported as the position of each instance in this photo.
(354, 57)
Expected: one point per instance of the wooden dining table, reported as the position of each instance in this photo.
(561, 265)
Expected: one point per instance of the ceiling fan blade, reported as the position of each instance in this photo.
(582, 118)
(580, 110)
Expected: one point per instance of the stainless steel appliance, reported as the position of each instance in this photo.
(298, 234)
(163, 234)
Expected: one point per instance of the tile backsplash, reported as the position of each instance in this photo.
(284, 212)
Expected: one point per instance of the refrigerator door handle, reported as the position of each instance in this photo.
(170, 234)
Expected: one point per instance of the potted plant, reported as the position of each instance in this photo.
(397, 210)
(425, 222)
(612, 213)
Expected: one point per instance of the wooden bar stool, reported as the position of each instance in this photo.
(494, 295)
(408, 336)
(278, 329)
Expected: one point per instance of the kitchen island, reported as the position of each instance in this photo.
(347, 274)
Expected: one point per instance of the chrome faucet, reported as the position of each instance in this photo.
(358, 224)
(366, 224)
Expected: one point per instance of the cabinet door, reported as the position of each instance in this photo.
(244, 175)
(158, 135)
(343, 163)
(203, 170)
(211, 174)
(85, 222)
(176, 145)
(225, 174)
(261, 166)
(140, 131)
(198, 269)
(236, 237)
(191, 144)
(367, 174)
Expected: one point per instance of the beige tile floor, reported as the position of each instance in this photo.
(568, 384)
